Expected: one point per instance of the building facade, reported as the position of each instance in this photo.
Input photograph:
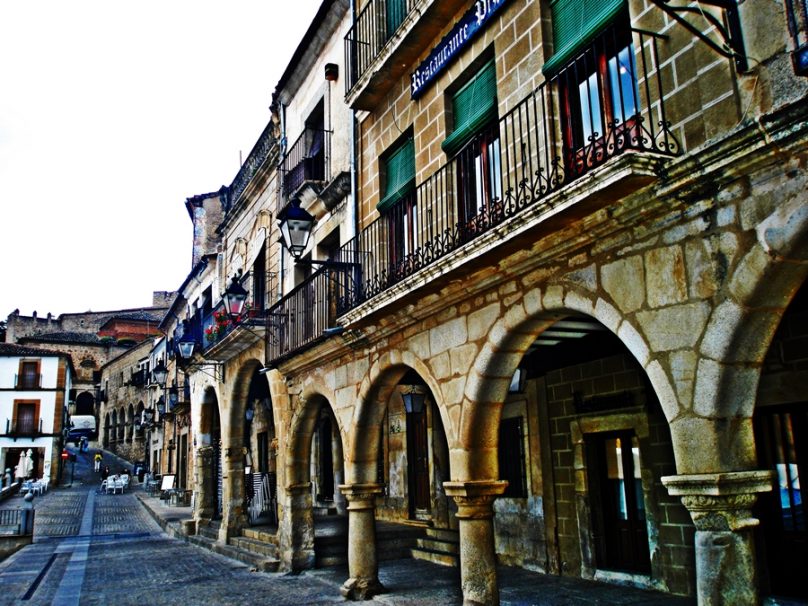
(555, 321)
(34, 384)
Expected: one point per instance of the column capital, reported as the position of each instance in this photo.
(475, 498)
(361, 496)
(720, 501)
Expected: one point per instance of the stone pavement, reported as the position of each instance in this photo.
(99, 549)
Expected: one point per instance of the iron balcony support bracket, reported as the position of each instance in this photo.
(731, 34)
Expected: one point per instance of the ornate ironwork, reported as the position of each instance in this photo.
(256, 158)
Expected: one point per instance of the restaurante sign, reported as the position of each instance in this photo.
(464, 31)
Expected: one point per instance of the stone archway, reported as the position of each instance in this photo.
(297, 522)
(85, 403)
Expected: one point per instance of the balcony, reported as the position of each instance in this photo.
(307, 164)
(27, 382)
(503, 181)
(302, 317)
(386, 38)
(138, 378)
(225, 338)
(26, 427)
(256, 158)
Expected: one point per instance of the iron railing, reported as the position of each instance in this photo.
(255, 159)
(374, 26)
(303, 316)
(16, 522)
(308, 159)
(28, 381)
(606, 101)
(25, 426)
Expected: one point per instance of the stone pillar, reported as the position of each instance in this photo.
(234, 513)
(721, 507)
(297, 529)
(363, 567)
(478, 560)
(205, 500)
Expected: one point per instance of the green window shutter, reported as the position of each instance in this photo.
(400, 179)
(473, 107)
(575, 24)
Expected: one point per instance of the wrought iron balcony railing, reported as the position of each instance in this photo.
(255, 159)
(302, 317)
(28, 381)
(374, 26)
(308, 159)
(607, 101)
(23, 427)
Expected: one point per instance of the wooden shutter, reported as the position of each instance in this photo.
(575, 24)
(473, 106)
(400, 175)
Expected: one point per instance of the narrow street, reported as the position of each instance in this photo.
(97, 549)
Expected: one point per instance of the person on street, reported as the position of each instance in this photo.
(105, 472)
(98, 458)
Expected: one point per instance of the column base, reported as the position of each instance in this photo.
(361, 589)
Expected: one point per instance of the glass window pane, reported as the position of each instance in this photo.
(623, 84)
(591, 117)
(614, 471)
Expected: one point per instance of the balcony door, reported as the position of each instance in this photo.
(25, 418)
(781, 435)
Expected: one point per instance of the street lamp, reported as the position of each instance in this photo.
(187, 342)
(295, 225)
(234, 298)
(160, 372)
(414, 400)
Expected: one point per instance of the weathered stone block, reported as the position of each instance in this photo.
(674, 327)
(624, 280)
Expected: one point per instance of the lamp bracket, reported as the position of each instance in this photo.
(731, 34)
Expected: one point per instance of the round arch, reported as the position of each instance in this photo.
(375, 392)
(475, 450)
(302, 427)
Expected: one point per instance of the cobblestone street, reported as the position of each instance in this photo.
(99, 549)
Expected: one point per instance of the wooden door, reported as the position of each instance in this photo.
(418, 464)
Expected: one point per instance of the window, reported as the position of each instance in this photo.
(398, 200)
(474, 145)
(29, 375)
(512, 457)
(260, 280)
(596, 71)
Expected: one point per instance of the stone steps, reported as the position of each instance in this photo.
(263, 548)
(258, 561)
(440, 546)
(260, 535)
(393, 542)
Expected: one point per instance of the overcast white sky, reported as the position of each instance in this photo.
(112, 113)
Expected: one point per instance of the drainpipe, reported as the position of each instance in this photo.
(354, 152)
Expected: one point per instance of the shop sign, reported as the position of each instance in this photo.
(472, 23)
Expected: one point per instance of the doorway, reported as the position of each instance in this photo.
(781, 434)
(618, 506)
(418, 465)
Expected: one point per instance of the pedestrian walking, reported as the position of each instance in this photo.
(98, 458)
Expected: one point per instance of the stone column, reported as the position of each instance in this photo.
(297, 529)
(478, 560)
(363, 568)
(233, 511)
(721, 507)
(203, 485)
